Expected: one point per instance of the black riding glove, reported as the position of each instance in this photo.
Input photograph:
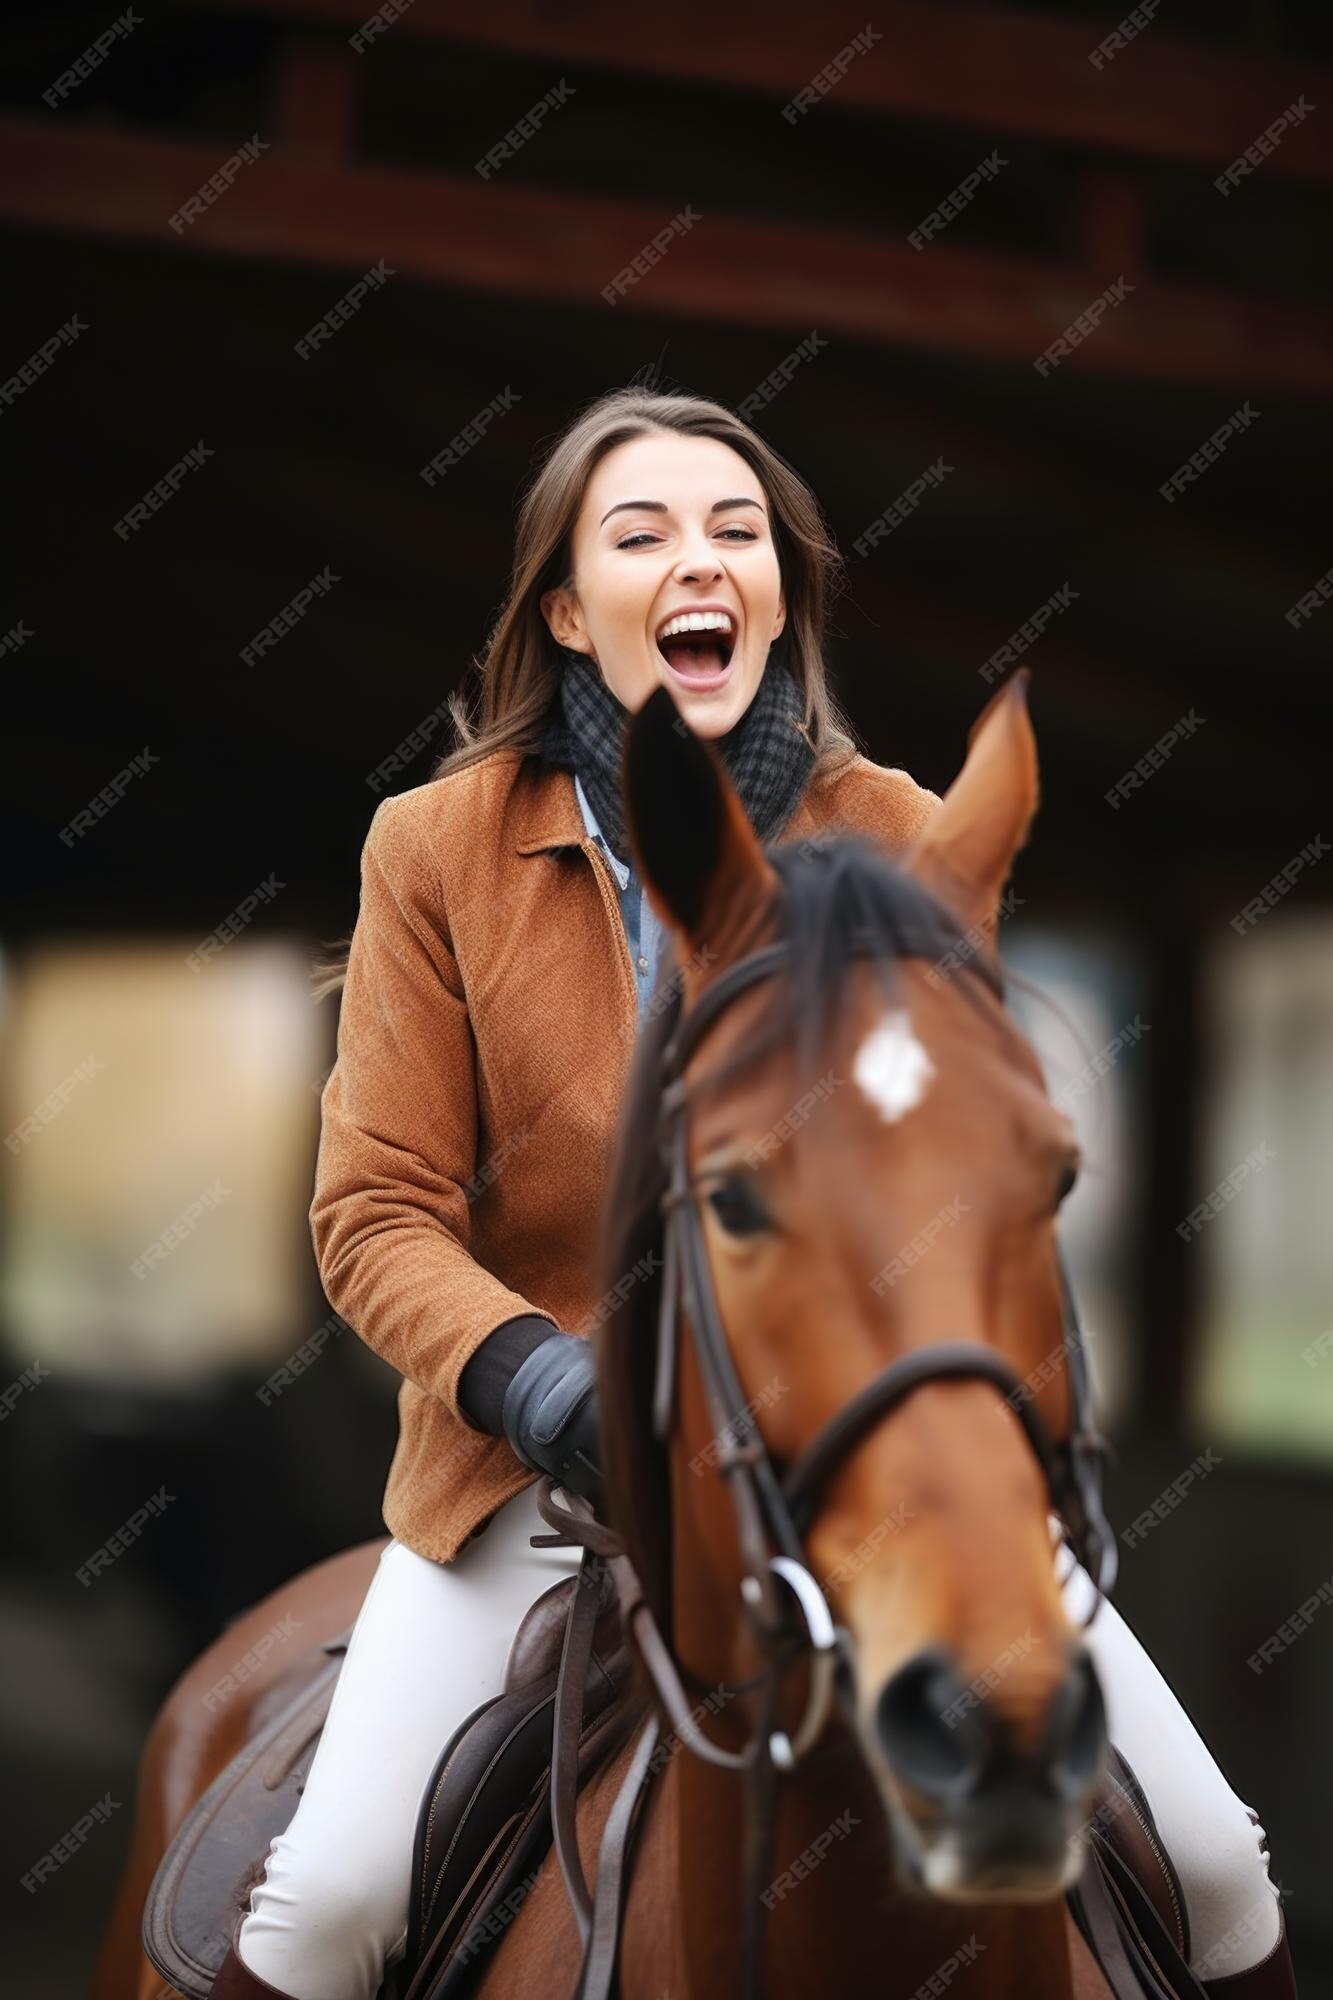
(550, 1413)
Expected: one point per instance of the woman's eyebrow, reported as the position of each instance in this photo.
(660, 507)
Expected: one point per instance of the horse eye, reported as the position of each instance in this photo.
(736, 1204)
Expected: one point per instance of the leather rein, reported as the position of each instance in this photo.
(774, 1508)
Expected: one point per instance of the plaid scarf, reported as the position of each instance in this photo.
(766, 753)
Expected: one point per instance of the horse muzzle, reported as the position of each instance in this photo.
(976, 1817)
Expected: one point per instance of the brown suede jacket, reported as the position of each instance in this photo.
(487, 1026)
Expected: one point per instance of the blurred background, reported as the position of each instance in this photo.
(189, 821)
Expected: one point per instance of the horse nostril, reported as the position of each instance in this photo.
(927, 1730)
(1076, 1734)
(943, 1739)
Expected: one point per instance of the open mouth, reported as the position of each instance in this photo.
(698, 646)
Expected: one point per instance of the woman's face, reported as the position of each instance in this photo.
(671, 525)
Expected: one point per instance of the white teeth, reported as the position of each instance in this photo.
(695, 621)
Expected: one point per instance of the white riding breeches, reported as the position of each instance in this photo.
(431, 1643)
(1219, 1851)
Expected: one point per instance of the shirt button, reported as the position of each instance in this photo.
(643, 965)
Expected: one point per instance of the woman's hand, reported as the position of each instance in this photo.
(550, 1413)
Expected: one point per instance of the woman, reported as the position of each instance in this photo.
(502, 956)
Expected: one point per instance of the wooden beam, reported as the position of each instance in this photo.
(317, 93)
(1110, 218)
(537, 244)
(992, 70)
(1092, 702)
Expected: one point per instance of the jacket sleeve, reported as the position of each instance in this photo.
(391, 1217)
(482, 1384)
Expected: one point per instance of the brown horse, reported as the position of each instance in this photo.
(893, 1186)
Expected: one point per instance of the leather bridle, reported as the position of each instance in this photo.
(774, 1507)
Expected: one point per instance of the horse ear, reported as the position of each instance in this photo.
(700, 862)
(967, 850)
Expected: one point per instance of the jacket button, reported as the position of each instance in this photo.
(643, 965)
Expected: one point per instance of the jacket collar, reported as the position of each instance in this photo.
(546, 810)
(547, 814)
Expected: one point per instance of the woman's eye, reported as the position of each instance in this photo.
(743, 534)
(738, 1208)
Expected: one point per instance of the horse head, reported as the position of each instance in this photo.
(875, 1169)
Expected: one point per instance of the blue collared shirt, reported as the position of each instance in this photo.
(641, 925)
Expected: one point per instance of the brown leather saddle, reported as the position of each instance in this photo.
(485, 1819)
(484, 1823)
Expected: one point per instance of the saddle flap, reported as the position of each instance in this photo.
(535, 1649)
(490, 1773)
(486, 1781)
(536, 1645)
(203, 1882)
(1123, 1820)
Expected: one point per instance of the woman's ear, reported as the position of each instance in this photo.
(557, 608)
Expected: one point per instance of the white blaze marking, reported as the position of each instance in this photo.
(891, 1066)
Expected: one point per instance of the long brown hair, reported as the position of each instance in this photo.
(519, 670)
